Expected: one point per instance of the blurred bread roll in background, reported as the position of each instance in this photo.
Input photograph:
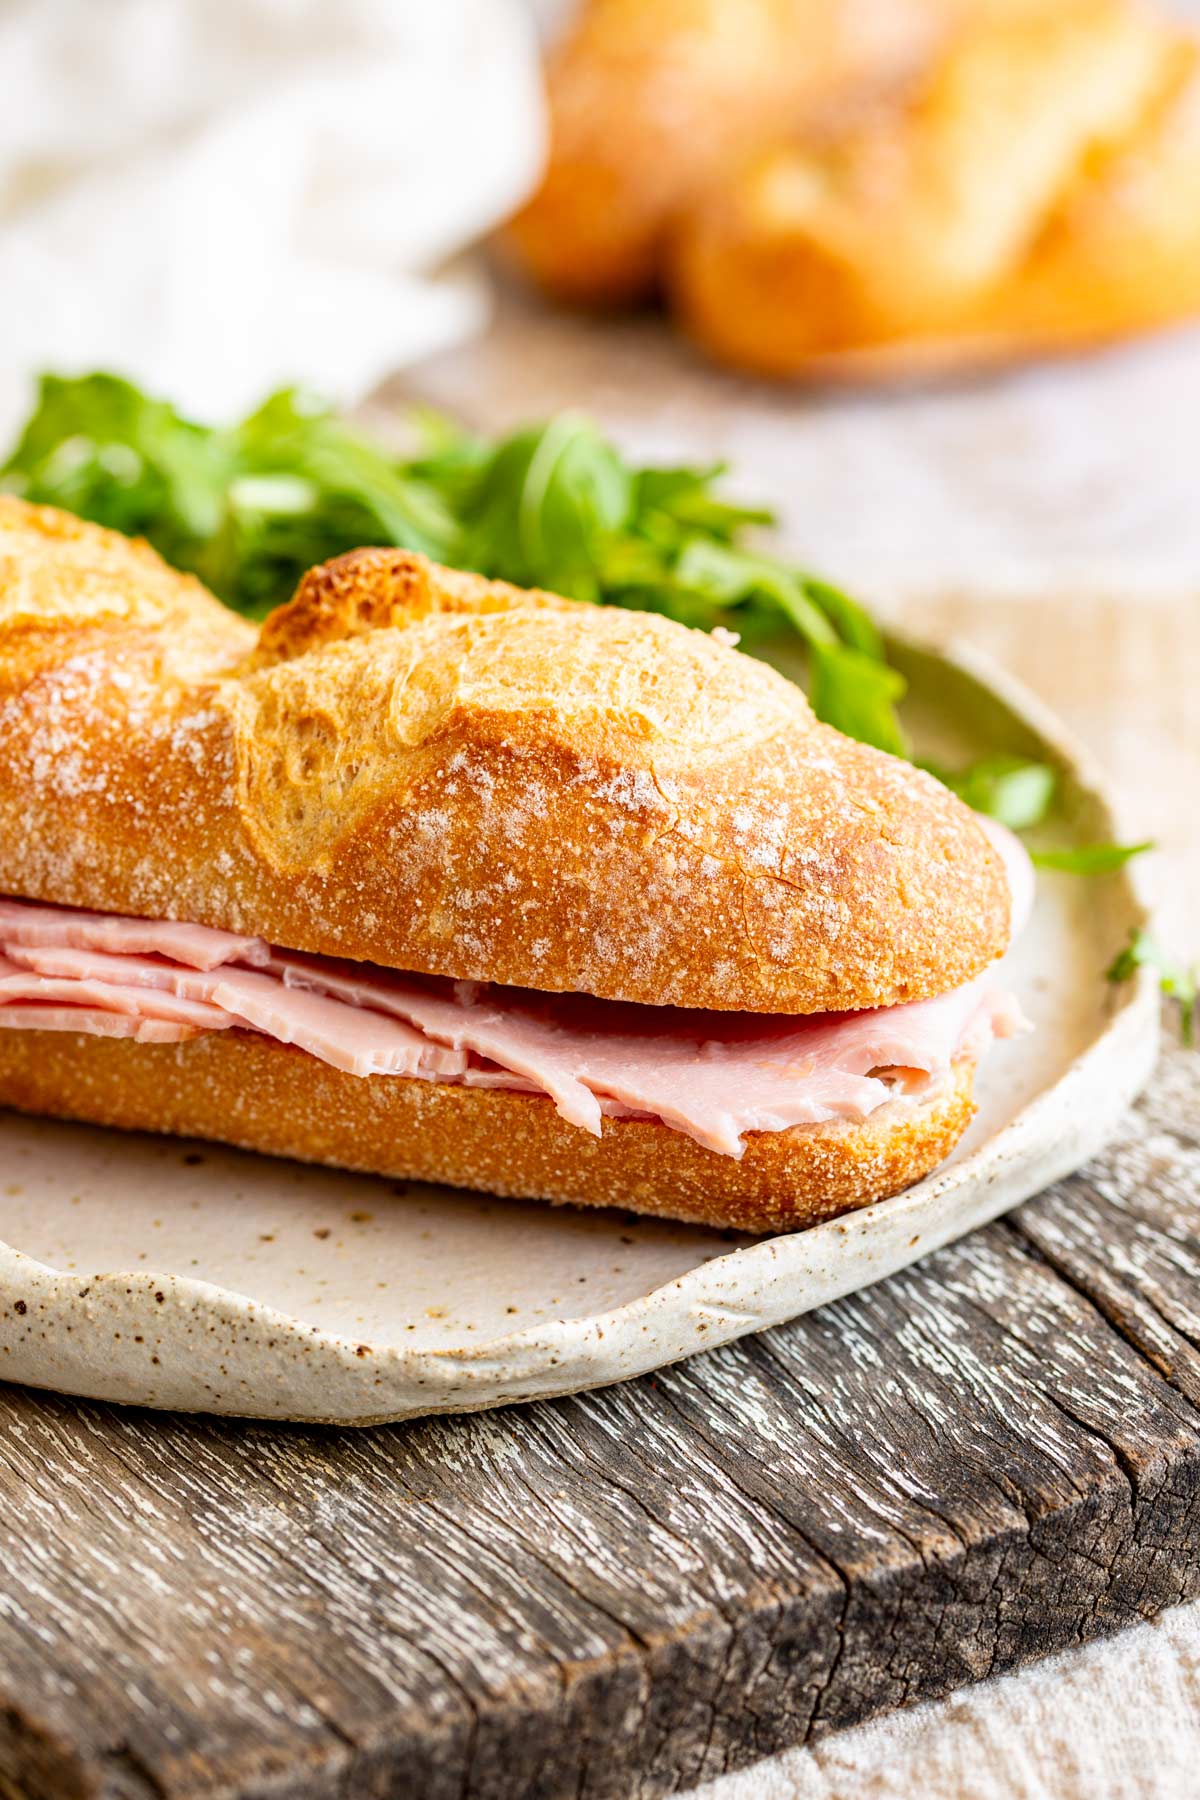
(651, 101)
(1036, 188)
(857, 190)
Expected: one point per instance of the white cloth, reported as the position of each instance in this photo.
(1118, 1720)
(215, 196)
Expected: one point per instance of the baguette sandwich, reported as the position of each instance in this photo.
(435, 878)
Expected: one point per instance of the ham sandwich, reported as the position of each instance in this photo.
(695, 954)
(713, 1076)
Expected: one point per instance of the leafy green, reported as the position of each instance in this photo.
(1177, 981)
(1020, 793)
(1090, 859)
(858, 694)
(853, 622)
(1013, 789)
(249, 507)
(543, 504)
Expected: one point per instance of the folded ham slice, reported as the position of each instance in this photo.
(713, 1076)
(94, 1022)
(197, 946)
(92, 991)
(348, 1037)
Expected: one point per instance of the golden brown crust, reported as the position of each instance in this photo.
(652, 101)
(376, 590)
(1038, 189)
(239, 1089)
(434, 772)
(66, 586)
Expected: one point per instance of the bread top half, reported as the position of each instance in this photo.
(435, 772)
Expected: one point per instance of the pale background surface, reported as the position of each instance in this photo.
(1116, 1721)
(1053, 521)
(216, 196)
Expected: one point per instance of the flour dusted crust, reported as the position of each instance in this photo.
(238, 1089)
(434, 772)
(1036, 188)
(431, 771)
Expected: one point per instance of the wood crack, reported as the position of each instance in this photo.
(1106, 1295)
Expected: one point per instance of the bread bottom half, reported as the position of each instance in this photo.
(240, 1089)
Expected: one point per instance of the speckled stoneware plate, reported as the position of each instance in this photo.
(179, 1275)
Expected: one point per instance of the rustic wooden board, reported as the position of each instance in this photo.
(992, 1455)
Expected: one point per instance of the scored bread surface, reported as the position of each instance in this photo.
(239, 1089)
(434, 772)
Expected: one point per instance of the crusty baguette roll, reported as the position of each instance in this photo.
(424, 770)
(441, 774)
(651, 101)
(238, 1089)
(1038, 188)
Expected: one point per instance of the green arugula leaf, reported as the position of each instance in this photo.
(1177, 981)
(857, 694)
(852, 622)
(684, 497)
(1013, 789)
(544, 507)
(99, 447)
(1019, 793)
(727, 577)
(1090, 859)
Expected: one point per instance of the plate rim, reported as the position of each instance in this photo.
(564, 1356)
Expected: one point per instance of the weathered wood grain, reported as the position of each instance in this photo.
(992, 1455)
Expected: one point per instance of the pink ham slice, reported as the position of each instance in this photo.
(349, 1038)
(799, 1072)
(93, 1021)
(539, 1052)
(20, 984)
(197, 946)
(714, 1076)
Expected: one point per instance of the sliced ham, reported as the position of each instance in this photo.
(197, 946)
(94, 1021)
(462, 1016)
(119, 996)
(714, 1076)
(347, 1037)
(761, 1075)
